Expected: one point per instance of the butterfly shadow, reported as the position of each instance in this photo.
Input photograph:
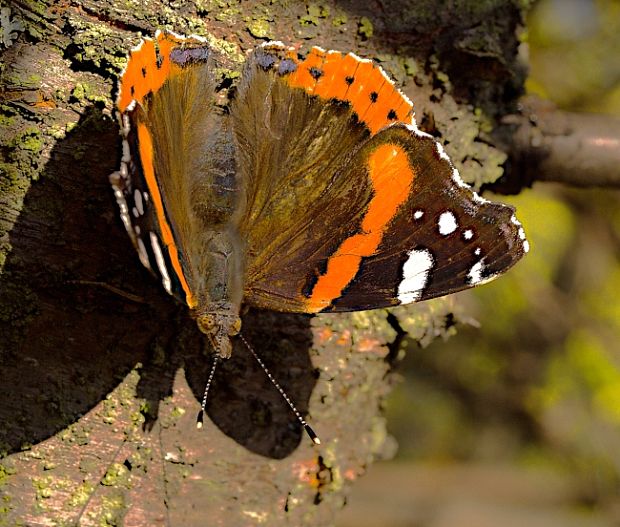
(78, 313)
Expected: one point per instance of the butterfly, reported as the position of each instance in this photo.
(311, 191)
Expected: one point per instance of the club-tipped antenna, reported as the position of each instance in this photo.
(201, 413)
(315, 439)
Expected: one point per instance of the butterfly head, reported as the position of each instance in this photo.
(219, 327)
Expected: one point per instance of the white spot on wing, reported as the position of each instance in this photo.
(415, 275)
(126, 154)
(475, 273)
(441, 151)
(137, 197)
(477, 251)
(122, 206)
(144, 257)
(416, 131)
(385, 76)
(126, 124)
(468, 234)
(447, 223)
(358, 59)
(131, 105)
(456, 177)
(417, 215)
(161, 264)
(521, 233)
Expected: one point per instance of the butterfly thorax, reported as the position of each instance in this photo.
(218, 282)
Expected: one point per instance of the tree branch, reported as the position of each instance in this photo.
(547, 144)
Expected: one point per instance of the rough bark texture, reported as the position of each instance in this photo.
(99, 390)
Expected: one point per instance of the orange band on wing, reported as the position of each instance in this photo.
(145, 144)
(372, 95)
(148, 68)
(391, 177)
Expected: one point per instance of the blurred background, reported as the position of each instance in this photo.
(517, 422)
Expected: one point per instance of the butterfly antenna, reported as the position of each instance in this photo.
(315, 439)
(201, 414)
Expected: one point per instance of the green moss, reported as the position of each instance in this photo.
(365, 28)
(38, 7)
(314, 14)
(32, 81)
(229, 49)
(227, 15)
(109, 411)
(114, 511)
(410, 66)
(318, 10)
(28, 139)
(96, 44)
(80, 91)
(81, 494)
(260, 29)
(6, 120)
(8, 173)
(42, 487)
(49, 465)
(5, 473)
(340, 20)
(117, 474)
(76, 434)
(177, 412)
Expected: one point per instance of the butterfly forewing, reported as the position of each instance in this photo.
(347, 208)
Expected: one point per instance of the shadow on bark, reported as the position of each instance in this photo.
(67, 340)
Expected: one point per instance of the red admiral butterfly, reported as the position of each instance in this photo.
(312, 191)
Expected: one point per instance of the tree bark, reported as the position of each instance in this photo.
(100, 389)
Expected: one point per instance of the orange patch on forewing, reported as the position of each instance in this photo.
(145, 144)
(302, 76)
(391, 177)
(388, 101)
(143, 75)
(331, 78)
(367, 78)
(343, 67)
